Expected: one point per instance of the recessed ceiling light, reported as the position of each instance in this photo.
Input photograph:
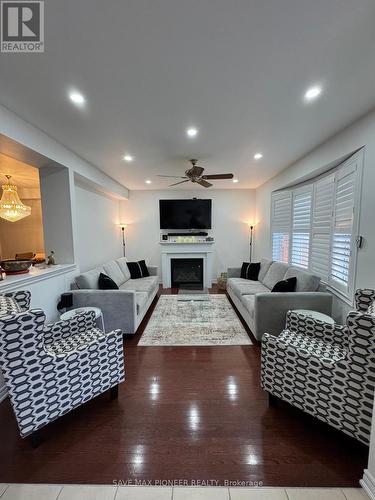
(192, 132)
(77, 98)
(128, 158)
(147, 181)
(313, 93)
(258, 156)
(235, 181)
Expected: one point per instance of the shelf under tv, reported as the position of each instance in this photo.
(186, 242)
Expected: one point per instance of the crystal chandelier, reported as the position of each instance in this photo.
(11, 207)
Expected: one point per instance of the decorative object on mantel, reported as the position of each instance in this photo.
(11, 207)
(51, 260)
(123, 227)
(222, 281)
(16, 266)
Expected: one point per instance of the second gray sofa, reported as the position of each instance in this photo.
(122, 309)
(265, 311)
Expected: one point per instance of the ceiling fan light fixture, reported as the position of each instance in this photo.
(11, 207)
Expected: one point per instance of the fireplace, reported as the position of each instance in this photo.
(187, 273)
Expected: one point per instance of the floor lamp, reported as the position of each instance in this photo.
(251, 226)
(123, 226)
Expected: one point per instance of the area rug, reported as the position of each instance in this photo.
(183, 320)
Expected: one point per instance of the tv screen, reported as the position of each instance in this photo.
(185, 214)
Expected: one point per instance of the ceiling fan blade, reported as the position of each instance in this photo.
(196, 171)
(173, 176)
(181, 182)
(218, 176)
(203, 183)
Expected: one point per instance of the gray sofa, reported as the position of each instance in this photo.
(124, 308)
(264, 311)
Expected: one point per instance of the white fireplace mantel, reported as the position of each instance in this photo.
(171, 251)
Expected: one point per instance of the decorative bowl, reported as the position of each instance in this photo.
(16, 266)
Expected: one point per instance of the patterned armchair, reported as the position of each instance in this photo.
(326, 370)
(51, 369)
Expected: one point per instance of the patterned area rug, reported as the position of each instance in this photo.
(183, 320)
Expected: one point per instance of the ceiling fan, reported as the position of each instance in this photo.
(194, 174)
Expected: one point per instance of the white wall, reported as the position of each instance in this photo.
(98, 237)
(361, 133)
(231, 209)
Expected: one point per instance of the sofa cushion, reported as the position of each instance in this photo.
(122, 263)
(264, 266)
(89, 280)
(141, 284)
(248, 288)
(248, 302)
(275, 273)
(306, 282)
(112, 269)
(106, 283)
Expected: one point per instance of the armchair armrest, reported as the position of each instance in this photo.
(153, 270)
(119, 307)
(299, 323)
(234, 272)
(80, 323)
(270, 309)
(22, 297)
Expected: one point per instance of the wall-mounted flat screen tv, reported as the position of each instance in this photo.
(185, 214)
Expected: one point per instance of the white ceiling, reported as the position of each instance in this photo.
(24, 176)
(236, 69)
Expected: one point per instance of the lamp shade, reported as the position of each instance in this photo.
(11, 207)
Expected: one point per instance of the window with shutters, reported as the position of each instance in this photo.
(342, 238)
(281, 225)
(301, 227)
(315, 226)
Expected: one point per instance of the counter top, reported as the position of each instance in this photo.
(35, 274)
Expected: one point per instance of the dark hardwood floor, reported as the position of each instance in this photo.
(184, 413)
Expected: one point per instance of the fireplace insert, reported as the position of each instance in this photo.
(187, 273)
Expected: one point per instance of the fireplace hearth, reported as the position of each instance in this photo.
(187, 273)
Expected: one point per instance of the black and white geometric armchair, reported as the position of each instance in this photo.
(49, 369)
(326, 370)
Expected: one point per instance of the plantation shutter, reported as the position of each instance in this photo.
(301, 227)
(323, 205)
(281, 218)
(342, 238)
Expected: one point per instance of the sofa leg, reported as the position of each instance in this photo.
(35, 439)
(272, 400)
(114, 392)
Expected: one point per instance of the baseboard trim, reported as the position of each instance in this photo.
(368, 484)
(3, 393)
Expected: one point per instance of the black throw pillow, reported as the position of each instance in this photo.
(288, 285)
(135, 270)
(250, 271)
(144, 269)
(106, 283)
